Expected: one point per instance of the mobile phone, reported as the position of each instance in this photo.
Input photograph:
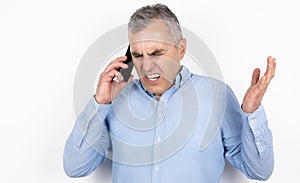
(127, 72)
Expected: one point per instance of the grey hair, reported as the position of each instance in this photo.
(143, 16)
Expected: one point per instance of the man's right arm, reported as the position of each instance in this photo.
(89, 141)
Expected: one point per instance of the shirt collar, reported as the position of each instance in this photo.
(183, 75)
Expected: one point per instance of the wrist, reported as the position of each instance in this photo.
(99, 100)
(248, 109)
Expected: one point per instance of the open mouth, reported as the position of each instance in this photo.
(152, 77)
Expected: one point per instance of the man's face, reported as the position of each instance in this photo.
(156, 57)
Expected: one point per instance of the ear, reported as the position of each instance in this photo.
(182, 48)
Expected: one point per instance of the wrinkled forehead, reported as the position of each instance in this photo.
(155, 31)
(150, 45)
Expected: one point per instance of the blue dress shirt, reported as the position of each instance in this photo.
(185, 136)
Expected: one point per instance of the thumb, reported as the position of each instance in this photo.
(124, 83)
(255, 76)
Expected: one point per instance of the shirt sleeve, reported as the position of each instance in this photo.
(89, 142)
(247, 140)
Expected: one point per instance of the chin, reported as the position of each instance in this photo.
(157, 89)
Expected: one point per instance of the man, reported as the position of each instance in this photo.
(170, 125)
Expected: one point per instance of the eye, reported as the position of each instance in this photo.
(137, 55)
(156, 54)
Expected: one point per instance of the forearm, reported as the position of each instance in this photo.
(80, 159)
(88, 142)
(255, 157)
(257, 149)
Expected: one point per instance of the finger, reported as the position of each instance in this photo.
(270, 71)
(124, 83)
(120, 78)
(115, 65)
(255, 76)
(271, 66)
(119, 59)
(109, 76)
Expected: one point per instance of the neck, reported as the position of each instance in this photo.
(157, 96)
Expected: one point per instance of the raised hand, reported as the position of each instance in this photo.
(258, 88)
(107, 88)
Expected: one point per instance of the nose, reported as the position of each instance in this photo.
(148, 64)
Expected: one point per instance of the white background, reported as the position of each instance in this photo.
(42, 42)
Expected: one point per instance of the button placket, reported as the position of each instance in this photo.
(158, 136)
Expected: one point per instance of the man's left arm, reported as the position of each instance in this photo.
(247, 140)
(248, 145)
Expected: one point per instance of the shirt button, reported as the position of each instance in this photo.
(252, 122)
(258, 143)
(156, 168)
(157, 139)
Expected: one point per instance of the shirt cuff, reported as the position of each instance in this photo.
(258, 124)
(257, 118)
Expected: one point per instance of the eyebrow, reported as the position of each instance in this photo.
(155, 52)
(136, 54)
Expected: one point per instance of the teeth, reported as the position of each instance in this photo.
(152, 79)
(152, 76)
